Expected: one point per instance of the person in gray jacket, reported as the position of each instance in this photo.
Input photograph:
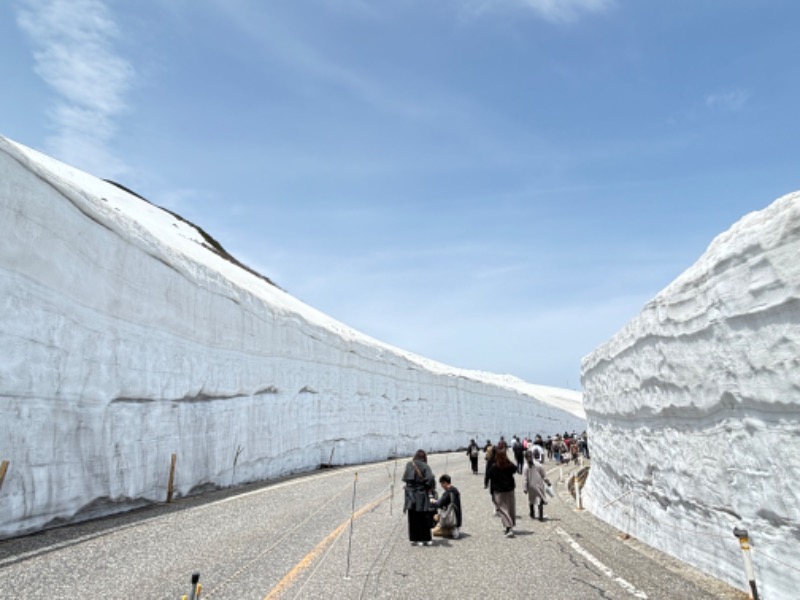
(535, 478)
(420, 483)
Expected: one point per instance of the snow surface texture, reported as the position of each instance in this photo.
(694, 409)
(124, 338)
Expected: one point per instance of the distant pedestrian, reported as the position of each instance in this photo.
(518, 449)
(574, 452)
(420, 482)
(450, 496)
(501, 479)
(472, 452)
(535, 478)
(491, 452)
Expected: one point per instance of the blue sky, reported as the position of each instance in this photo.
(496, 184)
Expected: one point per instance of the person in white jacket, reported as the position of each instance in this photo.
(535, 478)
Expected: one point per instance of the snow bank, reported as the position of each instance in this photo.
(126, 337)
(694, 409)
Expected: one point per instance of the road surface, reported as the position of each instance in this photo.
(341, 534)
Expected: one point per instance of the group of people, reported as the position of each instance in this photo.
(499, 480)
(561, 449)
(423, 507)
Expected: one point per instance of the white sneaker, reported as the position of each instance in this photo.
(429, 543)
(510, 533)
(456, 533)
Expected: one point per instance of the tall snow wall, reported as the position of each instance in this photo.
(694, 409)
(125, 337)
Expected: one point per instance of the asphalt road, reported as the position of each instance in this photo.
(341, 534)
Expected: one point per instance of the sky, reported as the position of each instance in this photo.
(498, 185)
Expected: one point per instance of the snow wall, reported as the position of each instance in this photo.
(125, 338)
(694, 409)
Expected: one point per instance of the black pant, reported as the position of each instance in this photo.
(419, 526)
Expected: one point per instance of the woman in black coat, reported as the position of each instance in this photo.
(500, 477)
(419, 481)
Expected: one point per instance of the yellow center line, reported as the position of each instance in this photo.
(308, 559)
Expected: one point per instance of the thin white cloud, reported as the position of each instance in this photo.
(73, 51)
(732, 100)
(556, 11)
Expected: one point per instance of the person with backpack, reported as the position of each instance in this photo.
(420, 482)
(472, 452)
(450, 497)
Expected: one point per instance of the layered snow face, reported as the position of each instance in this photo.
(694, 409)
(124, 338)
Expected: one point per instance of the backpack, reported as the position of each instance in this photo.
(473, 452)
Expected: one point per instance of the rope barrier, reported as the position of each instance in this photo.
(788, 566)
(324, 557)
(276, 544)
(672, 527)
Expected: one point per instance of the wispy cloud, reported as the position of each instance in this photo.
(731, 100)
(556, 11)
(74, 54)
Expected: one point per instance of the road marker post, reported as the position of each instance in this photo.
(171, 482)
(3, 471)
(352, 518)
(744, 543)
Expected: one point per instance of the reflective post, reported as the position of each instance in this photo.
(744, 542)
(3, 471)
(196, 587)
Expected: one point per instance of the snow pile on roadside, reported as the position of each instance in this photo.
(694, 408)
(126, 336)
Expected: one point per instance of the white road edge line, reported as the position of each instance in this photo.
(627, 586)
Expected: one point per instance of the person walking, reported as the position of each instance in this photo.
(537, 453)
(451, 496)
(535, 478)
(420, 481)
(491, 452)
(501, 479)
(473, 453)
(516, 446)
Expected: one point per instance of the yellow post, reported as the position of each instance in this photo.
(3, 470)
(171, 484)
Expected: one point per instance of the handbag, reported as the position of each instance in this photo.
(448, 518)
